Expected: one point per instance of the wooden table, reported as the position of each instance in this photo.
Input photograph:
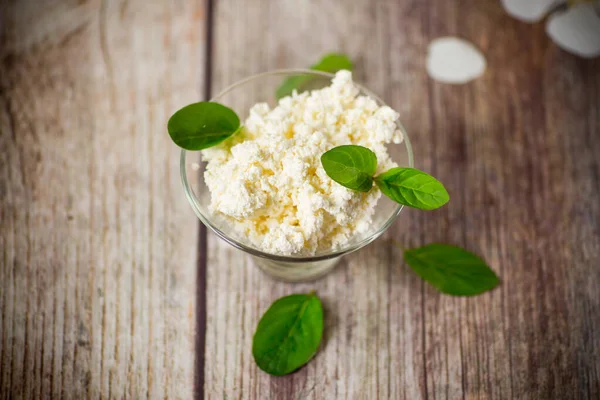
(108, 282)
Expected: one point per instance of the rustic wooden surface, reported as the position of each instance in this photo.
(519, 150)
(97, 243)
(99, 246)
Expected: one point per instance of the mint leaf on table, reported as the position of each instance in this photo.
(201, 125)
(288, 334)
(331, 63)
(351, 166)
(451, 270)
(413, 188)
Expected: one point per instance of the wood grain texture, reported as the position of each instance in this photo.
(518, 150)
(97, 242)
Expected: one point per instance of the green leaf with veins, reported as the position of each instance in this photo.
(351, 166)
(288, 334)
(201, 125)
(451, 270)
(331, 63)
(413, 188)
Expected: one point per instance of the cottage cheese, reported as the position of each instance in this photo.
(268, 181)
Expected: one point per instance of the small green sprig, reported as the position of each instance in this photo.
(354, 167)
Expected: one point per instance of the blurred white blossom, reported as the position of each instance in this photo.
(529, 10)
(573, 25)
(576, 30)
(454, 60)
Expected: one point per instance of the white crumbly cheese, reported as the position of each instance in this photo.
(268, 180)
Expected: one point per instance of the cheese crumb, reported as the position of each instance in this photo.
(268, 181)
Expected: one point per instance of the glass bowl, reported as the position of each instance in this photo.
(240, 97)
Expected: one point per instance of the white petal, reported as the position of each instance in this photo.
(454, 60)
(576, 30)
(528, 10)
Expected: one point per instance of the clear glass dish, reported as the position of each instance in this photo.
(240, 97)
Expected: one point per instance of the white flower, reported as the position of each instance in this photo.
(529, 10)
(454, 60)
(575, 29)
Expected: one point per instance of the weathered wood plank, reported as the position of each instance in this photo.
(516, 150)
(98, 244)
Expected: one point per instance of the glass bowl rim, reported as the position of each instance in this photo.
(192, 199)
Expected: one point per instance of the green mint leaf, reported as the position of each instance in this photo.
(291, 83)
(413, 188)
(201, 125)
(351, 166)
(331, 63)
(451, 270)
(288, 334)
